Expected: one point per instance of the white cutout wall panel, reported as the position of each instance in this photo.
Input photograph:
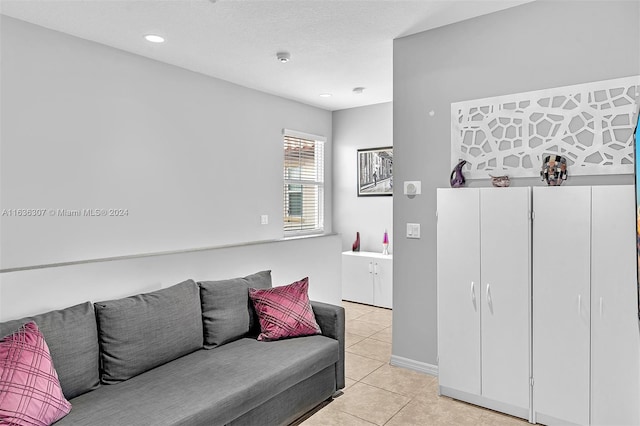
(590, 124)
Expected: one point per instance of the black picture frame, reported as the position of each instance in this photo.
(375, 172)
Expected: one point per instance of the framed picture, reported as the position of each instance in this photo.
(375, 171)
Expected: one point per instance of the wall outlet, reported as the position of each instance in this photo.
(264, 219)
(413, 230)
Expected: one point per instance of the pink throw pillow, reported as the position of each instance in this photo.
(284, 311)
(30, 392)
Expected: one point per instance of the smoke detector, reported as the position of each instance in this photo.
(283, 57)
(358, 90)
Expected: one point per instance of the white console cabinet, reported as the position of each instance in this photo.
(367, 278)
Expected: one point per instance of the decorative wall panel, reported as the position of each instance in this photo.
(590, 124)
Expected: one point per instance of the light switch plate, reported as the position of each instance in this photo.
(264, 219)
(413, 230)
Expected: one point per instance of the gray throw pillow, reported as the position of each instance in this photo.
(72, 337)
(227, 312)
(141, 332)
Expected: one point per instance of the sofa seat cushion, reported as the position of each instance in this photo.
(207, 387)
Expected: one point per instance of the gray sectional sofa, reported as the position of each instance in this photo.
(187, 355)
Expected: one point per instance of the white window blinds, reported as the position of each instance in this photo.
(303, 184)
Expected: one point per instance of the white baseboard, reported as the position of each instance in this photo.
(412, 364)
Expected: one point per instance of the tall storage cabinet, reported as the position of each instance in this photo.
(615, 339)
(484, 295)
(561, 303)
(586, 347)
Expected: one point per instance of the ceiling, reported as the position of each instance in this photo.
(335, 45)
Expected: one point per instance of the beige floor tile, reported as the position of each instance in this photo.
(363, 328)
(419, 414)
(356, 310)
(354, 313)
(370, 403)
(383, 335)
(399, 380)
(334, 417)
(357, 367)
(353, 305)
(379, 316)
(429, 393)
(373, 349)
(351, 339)
(348, 383)
(350, 314)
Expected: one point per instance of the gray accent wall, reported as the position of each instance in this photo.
(538, 45)
(354, 129)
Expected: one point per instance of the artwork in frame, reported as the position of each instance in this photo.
(375, 171)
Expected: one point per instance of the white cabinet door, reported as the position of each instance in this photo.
(505, 231)
(615, 344)
(357, 278)
(382, 282)
(458, 242)
(561, 303)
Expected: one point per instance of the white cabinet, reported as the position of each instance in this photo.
(484, 297)
(367, 278)
(615, 339)
(586, 348)
(561, 304)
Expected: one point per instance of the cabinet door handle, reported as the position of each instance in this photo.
(488, 294)
(473, 292)
(370, 267)
(375, 268)
(579, 304)
(601, 306)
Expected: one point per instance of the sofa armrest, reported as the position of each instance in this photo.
(330, 318)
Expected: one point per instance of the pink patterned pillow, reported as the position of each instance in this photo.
(284, 311)
(30, 393)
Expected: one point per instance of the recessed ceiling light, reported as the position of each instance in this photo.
(154, 38)
(325, 95)
(283, 57)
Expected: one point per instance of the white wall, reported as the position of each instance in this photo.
(195, 160)
(39, 290)
(534, 46)
(353, 129)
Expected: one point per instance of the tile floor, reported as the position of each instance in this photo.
(377, 393)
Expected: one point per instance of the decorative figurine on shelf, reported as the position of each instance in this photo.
(554, 170)
(385, 243)
(356, 243)
(457, 179)
(500, 181)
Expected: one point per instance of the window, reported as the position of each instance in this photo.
(303, 183)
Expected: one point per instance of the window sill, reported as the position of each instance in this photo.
(309, 235)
